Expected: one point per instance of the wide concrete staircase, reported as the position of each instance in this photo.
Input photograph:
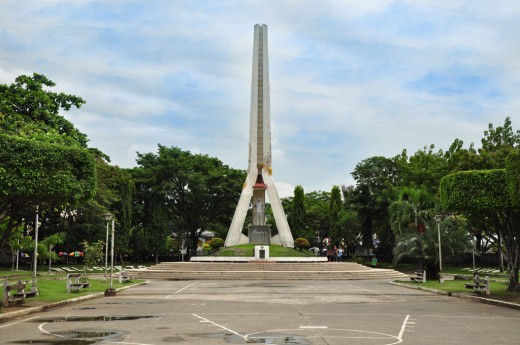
(264, 271)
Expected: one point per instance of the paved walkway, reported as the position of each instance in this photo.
(274, 312)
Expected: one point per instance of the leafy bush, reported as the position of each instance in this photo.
(216, 243)
(301, 243)
(94, 254)
(475, 190)
(513, 177)
(360, 260)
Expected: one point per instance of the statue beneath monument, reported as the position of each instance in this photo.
(260, 212)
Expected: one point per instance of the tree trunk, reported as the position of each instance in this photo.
(7, 233)
(432, 271)
(500, 253)
(512, 250)
(514, 286)
(194, 239)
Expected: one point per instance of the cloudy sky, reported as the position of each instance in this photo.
(349, 79)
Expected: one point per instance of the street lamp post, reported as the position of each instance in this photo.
(108, 216)
(35, 254)
(438, 219)
(111, 291)
(112, 256)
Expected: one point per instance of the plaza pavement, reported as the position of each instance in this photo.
(268, 312)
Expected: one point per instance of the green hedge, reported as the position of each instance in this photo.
(475, 190)
(513, 177)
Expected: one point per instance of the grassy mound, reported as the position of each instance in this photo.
(247, 250)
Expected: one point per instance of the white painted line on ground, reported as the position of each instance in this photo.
(123, 342)
(371, 291)
(40, 327)
(184, 288)
(14, 323)
(371, 335)
(313, 327)
(203, 319)
(401, 332)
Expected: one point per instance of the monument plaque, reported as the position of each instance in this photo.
(259, 234)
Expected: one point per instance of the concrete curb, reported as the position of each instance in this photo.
(461, 295)
(32, 310)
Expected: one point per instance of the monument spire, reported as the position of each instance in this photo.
(259, 175)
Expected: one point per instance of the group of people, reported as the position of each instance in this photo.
(333, 254)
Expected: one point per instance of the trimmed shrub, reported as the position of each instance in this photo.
(513, 177)
(216, 243)
(475, 190)
(301, 243)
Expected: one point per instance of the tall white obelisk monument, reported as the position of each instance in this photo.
(259, 174)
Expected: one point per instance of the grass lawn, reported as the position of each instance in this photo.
(455, 270)
(274, 251)
(498, 289)
(24, 275)
(53, 287)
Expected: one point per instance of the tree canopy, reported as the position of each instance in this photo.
(489, 199)
(29, 110)
(195, 191)
(44, 161)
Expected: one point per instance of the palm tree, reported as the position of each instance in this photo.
(424, 246)
(411, 204)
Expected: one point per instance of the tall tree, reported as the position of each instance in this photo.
(375, 177)
(86, 221)
(335, 207)
(486, 197)
(198, 191)
(316, 208)
(37, 174)
(349, 220)
(44, 161)
(298, 216)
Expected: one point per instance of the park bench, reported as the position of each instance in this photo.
(74, 284)
(124, 277)
(14, 292)
(479, 285)
(420, 276)
(84, 280)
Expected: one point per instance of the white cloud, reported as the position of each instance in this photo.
(284, 189)
(349, 79)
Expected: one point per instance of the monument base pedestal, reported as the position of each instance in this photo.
(259, 234)
(261, 252)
